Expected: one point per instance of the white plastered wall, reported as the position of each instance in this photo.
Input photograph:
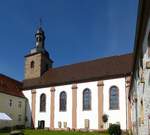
(116, 115)
(38, 115)
(43, 115)
(92, 115)
(67, 115)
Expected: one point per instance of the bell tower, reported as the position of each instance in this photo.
(37, 61)
(40, 38)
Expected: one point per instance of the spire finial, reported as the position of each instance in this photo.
(40, 21)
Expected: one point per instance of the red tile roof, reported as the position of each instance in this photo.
(10, 86)
(103, 68)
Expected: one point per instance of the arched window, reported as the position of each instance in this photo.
(63, 101)
(87, 99)
(114, 98)
(42, 103)
(32, 64)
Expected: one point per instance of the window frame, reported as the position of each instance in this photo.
(19, 118)
(41, 108)
(10, 102)
(83, 107)
(19, 104)
(32, 64)
(60, 107)
(118, 106)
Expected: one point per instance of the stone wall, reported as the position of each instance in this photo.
(33, 72)
(41, 64)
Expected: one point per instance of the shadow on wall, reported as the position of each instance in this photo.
(29, 122)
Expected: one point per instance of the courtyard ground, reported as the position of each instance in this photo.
(41, 132)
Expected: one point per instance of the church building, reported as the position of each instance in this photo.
(76, 96)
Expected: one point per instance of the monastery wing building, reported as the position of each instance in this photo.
(12, 102)
(76, 96)
(139, 94)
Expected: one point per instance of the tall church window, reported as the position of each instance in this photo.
(63, 101)
(114, 98)
(87, 99)
(32, 64)
(42, 103)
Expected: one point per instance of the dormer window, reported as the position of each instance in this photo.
(32, 64)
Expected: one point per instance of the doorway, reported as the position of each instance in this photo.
(41, 124)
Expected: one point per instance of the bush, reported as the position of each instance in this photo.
(114, 129)
(105, 118)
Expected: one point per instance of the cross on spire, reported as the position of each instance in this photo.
(41, 22)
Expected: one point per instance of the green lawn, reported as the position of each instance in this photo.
(41, 132)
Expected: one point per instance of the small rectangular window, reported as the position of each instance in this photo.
(19, 117)
(19, 104)
(10, 102)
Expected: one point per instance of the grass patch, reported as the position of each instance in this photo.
(43, 132)
(4, 134)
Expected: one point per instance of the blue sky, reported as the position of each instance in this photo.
(76, 30)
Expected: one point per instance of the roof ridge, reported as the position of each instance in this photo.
(8, 77)
(83, 62)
